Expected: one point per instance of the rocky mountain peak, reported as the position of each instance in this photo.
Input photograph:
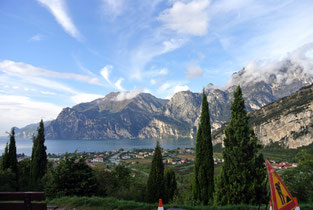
(141, 115)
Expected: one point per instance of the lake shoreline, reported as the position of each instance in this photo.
(24, 146)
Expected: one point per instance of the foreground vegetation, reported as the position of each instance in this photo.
(95, 203)
(113, 203)
(73, 182)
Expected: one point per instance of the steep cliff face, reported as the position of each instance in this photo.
(183, 106)
(158, 128)
(288, 121)
(106, 118)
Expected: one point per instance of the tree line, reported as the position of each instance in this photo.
(26, 175)
(242, 179)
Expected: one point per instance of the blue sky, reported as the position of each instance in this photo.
(57, 53)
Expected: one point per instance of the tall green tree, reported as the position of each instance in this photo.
(243, 175)
(155, 185)
(170, 185)
(203, 176)
(12, 158)
(39, 158)
(5, 162)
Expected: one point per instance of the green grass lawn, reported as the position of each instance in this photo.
(95, 203)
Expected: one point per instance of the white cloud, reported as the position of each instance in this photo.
(127, 95)
(163, 71)
(23, 69)
(85, 97)
(36, 37)
(118, 84)
(168, 89)
(155, 73)
(59, 11)
(164, 87)
(146, 90)
(189, 18)
(105, 72)
(179, 88)
(148, 50)
(29, 82)
(50, 84)
(256, 71)
(176, 89)
(20, 111)
(152, 81)
(271, 30)
(194, 71)
(47, 93)
(113, 8)
(172, 44)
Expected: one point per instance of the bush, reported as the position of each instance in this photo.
(7, 181)
(70, 178)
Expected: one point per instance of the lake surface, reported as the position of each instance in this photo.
(63, 146)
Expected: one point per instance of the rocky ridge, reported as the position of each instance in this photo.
(146, 116)
(288, 121)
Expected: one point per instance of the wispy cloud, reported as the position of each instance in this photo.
(47, 93)
(118, 84)
(36, 38)
(59, 11)
(178, 23)
(249, 29)
(164, 87)
(170, 88)
(105, 73)
(20, 110)
(28, 76)
(150, 49)
(189, 18)
(113, 8)
(23, 69)
(176, 89)
(155, 73)
(49, 84)
(194, 71)
(82, 67)
(126, 95)
(298, 63)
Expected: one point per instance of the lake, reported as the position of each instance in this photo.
(63, 146)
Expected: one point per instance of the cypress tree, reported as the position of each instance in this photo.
(203, 176)
(12, 159)
(243, 175)
(155, 185)
(5, 162)
(39, 158)
(170, 185)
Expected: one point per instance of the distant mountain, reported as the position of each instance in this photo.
(145, 116)
(29, 130)
(106, 118)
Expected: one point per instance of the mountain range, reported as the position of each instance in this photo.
(145, 116)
